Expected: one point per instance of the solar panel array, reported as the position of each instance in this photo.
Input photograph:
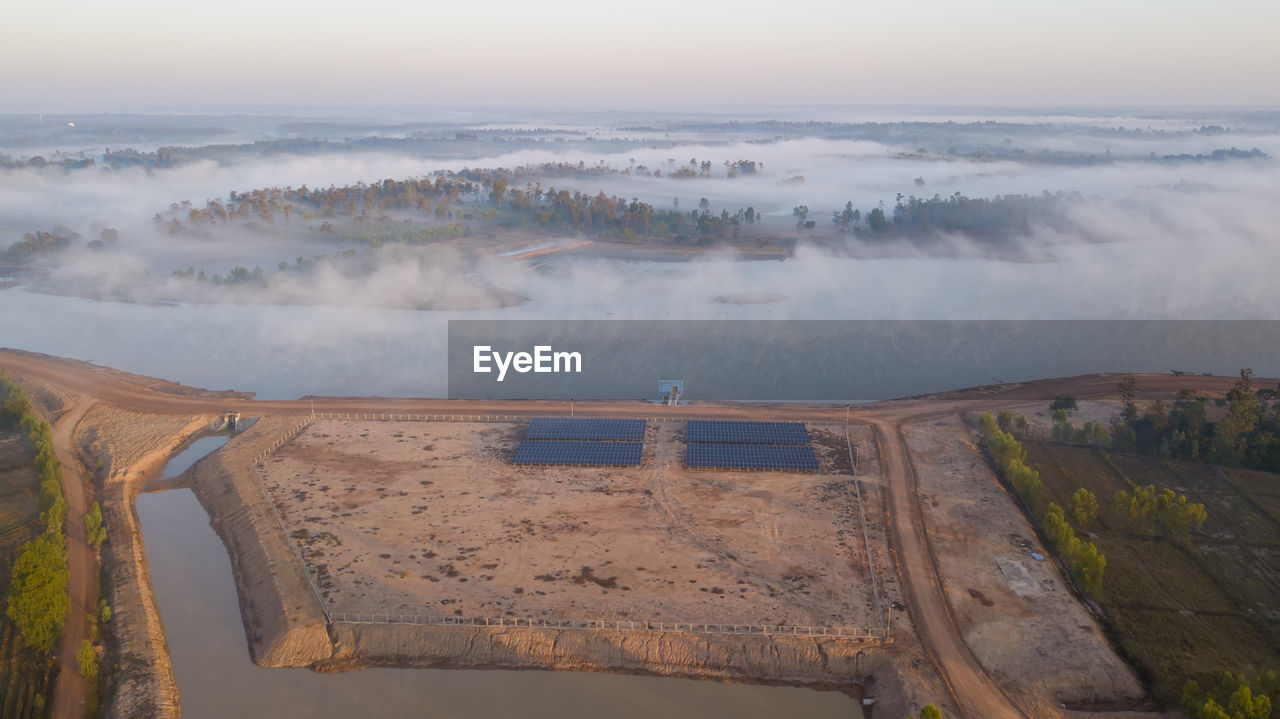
(578, 453)
(572, 441)
(747, 432)
(751, 456)
(590, 429)
(749, 445)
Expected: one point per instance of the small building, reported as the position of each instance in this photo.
(670, 389)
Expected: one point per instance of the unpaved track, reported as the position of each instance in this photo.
(69, 694)
(131, 392)
(974, 692)
(972, 689)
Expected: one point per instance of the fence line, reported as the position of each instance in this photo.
(862, 520)
(770, 630)
(255, 472)
(418, 417)
(861, 634)
(280, 441)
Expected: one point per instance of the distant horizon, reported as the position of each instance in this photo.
(376, 111)
(668, 54)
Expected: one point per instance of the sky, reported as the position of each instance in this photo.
(76, 55)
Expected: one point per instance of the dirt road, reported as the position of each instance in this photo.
(142, 394)
(974, 692)
(69, 694)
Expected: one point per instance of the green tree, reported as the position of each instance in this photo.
(1056, 528)
(1062, 427)
(1090, 565)
(1128, 388)
(928, 711)
(801, 213)
(87, 659)
(1067, 403)
(876, 220)
(1232, 433)
(38, 600)
(1020, 424)
(1084, 507)
(94, 531)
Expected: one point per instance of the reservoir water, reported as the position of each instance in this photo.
(195, 589)
(285, 352)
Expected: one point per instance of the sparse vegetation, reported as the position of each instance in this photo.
(1084, 560)
(1190, 571)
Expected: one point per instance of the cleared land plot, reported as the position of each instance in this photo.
(430, 518)
(1014, 612)
(1182, 609)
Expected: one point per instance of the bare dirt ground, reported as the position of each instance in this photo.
(1015, 613)
(123, 448)
(944, 653)
(1040, 419)
(431, 518)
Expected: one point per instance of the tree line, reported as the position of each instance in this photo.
(979, 217)
(1082, 558)
(37, 598)
(493, 196)
(35, 246)
(1247, 436)
(1234, 697)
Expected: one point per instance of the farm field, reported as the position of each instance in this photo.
(1181, 609)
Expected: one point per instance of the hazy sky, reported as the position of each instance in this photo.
(64, 55)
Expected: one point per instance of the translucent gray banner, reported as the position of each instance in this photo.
(829, 360)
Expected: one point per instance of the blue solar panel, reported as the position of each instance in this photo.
(575, 428)
(747, 432)
(580, 454)
(751, 456)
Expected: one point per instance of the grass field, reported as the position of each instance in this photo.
(1182, 609)
(25, 677)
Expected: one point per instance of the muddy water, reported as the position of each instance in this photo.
(192, 577)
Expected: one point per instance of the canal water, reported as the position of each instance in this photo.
(195, 589)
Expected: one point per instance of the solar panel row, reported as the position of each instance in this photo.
(751, 456)
(578, 453)
(593, 429)
(746, 432)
